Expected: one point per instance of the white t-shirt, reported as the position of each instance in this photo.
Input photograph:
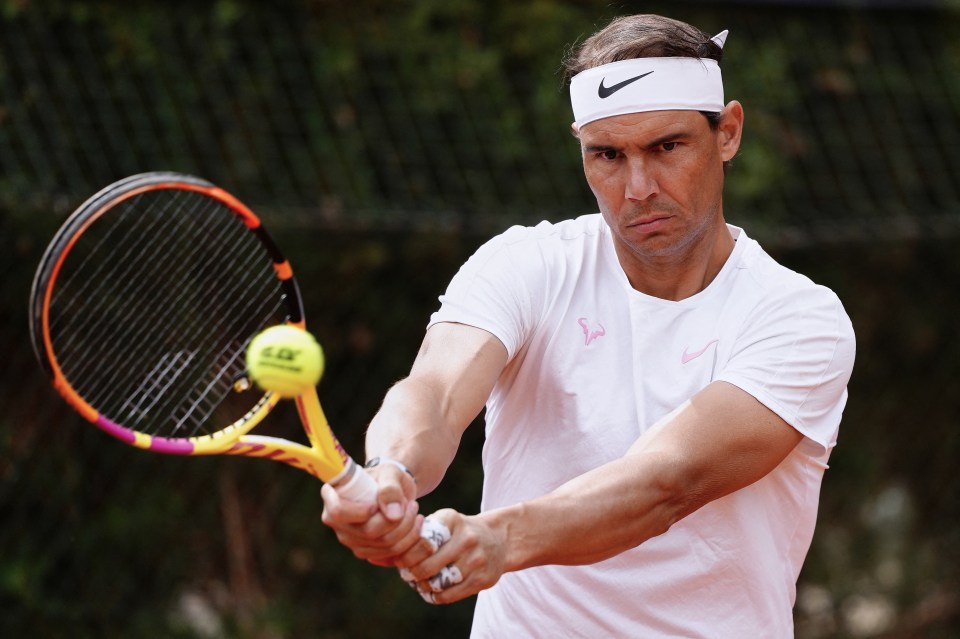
(593, 364)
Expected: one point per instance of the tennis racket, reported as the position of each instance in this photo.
(141, 311)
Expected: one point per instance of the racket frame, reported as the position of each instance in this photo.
(325, 458)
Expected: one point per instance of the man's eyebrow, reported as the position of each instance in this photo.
(669, 137)
(600, 148)
(673, 136)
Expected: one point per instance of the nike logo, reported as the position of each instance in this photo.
(689, 357)
(606, 92)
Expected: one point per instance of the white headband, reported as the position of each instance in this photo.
(647, 84)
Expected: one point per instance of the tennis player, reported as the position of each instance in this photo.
(661, 396)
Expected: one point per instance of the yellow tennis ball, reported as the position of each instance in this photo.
(285, 359)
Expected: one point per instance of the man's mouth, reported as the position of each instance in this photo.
(650, 223)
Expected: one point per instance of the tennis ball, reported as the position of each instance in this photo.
(285, 359)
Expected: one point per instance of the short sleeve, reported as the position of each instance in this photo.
(492, 290)
(795, 355)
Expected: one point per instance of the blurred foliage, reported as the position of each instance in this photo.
(383, 141)
(453, 113)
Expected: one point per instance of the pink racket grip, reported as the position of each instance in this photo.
(355, 484)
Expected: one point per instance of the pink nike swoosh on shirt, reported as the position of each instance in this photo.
(689, 357)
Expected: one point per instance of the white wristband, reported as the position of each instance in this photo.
(376, 461)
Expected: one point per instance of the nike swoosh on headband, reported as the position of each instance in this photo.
(606, 92)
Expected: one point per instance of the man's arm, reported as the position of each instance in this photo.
(420, 424)
(720, 441)
(423, 417)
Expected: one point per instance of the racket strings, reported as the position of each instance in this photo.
(125, 241)
(78, 285)
(159, 309)
(144, 235)
(229, 366)
(173, 358)
(202, 396)
(174, 295)
(227, 362)
(136, 230)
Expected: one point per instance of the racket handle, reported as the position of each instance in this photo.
(356, 484)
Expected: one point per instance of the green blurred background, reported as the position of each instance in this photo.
(382, 142)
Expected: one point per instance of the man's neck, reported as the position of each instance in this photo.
(682, 274)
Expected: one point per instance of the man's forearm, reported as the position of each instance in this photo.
(423, 416)
(590, 518)
(409, 427)
(720, 441)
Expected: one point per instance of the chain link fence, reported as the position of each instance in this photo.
(383, 142)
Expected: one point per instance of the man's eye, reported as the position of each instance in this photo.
(607, 154)
(668, 146)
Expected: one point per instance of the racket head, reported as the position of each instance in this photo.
(143, 305)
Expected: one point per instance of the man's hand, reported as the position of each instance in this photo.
(420, 423)
(379, 533)
(476, 549)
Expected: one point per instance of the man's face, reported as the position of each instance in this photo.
(658, 177)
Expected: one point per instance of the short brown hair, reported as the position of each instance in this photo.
(640, 36)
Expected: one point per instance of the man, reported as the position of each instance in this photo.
(661, 396)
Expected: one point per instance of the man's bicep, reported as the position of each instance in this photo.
(461, 364)
(721, 440)
(797, 359)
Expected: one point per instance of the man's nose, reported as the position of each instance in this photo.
(641, 181)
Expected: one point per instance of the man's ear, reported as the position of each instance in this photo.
(574, 130)
(730, 129)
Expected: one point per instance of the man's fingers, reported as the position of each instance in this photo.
(343, 511)
(382, 542)
(434, 552)
(396, 490)
(470, 560)
(419, 550)
(383, 532)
